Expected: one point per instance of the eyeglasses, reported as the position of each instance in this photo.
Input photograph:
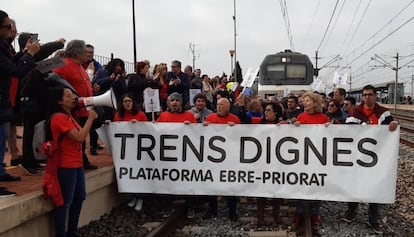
(9, 26)
(346, 104)
(331, 105)
(366, 95)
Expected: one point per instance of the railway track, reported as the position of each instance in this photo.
(406, 119)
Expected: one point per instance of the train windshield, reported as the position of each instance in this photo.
(293, 71)
(276, 71)
(296, 71)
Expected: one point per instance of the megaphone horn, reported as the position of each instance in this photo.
(107, 99)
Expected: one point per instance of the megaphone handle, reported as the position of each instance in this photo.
(153, 116)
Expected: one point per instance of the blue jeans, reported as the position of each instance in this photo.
(4, 134)
(72, 184)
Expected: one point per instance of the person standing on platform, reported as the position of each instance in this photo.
(73, 72)
(66, 162)
(9, 69)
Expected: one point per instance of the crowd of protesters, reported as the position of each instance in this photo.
(218, 101)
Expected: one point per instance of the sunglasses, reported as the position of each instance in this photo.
(9, 26)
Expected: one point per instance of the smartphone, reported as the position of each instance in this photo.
(34, 37)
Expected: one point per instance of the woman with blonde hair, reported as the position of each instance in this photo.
(160, 76)
(313, 114)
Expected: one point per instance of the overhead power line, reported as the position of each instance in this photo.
(285, 14)
(378, 31)
(357, 27)
(380, 41)
(305, 39)
(350, 25)
(327, 27)
(333, 27)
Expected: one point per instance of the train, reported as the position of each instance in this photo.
(284, 73)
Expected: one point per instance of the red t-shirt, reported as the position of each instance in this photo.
(128, 116)
(315, 118)
(70, 151)
(78, 79)
(167, 116)
(372, 118)
(214, 118)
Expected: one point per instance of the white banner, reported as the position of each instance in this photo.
(249, 78)
(151, 100)
(340, 79)
(337, 163)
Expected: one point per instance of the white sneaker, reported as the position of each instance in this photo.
(132, 202)
(138, 205)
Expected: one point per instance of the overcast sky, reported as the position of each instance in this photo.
(165, 29)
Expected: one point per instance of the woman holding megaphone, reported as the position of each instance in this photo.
(64, 164)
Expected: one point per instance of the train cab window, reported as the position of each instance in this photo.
(276, 71)
(296, 72)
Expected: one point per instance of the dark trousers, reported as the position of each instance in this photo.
(231, 203)
(373, 211)
(27, 147)
(82, 121)
(72, 184)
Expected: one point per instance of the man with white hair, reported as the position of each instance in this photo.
(223, 116)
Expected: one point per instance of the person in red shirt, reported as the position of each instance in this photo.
(223, 116)
(73, 72)
(68, 135)
(369, 112)
(313, 114)
(129, 111)
(176, 114)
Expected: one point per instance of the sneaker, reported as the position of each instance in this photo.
(316, 220)
(4, 193)
(376, 228)
(349, 217)
(99, 147)
(132, 202)
(168, 212)
(16, 161)
(8, 177)
(190, 213)
(138, 205)
(296, 222)
(31, 170)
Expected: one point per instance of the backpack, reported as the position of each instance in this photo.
(42, 134)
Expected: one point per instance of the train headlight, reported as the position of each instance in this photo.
(285, 60)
